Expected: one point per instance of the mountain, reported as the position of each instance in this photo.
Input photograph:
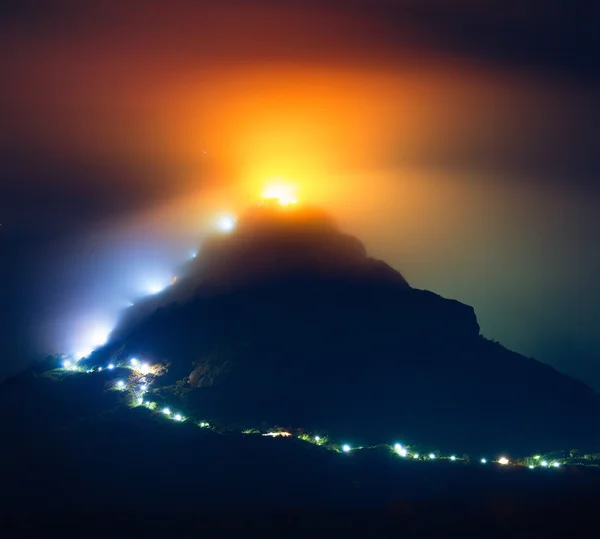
(287, 321)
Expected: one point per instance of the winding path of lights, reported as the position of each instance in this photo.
(144, 374)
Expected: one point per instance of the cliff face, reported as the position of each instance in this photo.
(287, 321)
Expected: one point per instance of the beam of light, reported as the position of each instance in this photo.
(503, 461)
(346, 448)
(282, 193)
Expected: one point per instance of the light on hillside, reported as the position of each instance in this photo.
(346, 448)
(177, 417)
(483, 461)
(452, 457)
(503, 460)
(544, 463)
(432, 456)
(226, 223)
(166, 411)
(283, 194)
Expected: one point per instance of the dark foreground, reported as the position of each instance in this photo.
(433, 518)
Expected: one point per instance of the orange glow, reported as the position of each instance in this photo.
(285, 194)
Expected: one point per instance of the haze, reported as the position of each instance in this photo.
(470, 167)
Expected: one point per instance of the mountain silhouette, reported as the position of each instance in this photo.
(287, 321)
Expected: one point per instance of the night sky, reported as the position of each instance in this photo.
(458, 140)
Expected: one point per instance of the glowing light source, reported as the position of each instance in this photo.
(275, 434)
(166, 411)
(67, 364)
(346, 448)
(120, 384)
(537, 457)
(431, 456)
(416, 456)
(177, 417)
(531, 466)
(140, 400)
(110, 366)
(452, 457)
(317, 438)
(154, 288)
(483, 461)
(144, 368)
(204, 424)
(283, 194)
(226, 223)
(544, 463)
(556, 464)
(143, 387)
(133, 361)
(503, 460)
(400, 450)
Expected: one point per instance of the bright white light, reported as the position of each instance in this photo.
(193, 254)
(99, 368)
(67, 364)
(431, 456)
(120, 384)
(226, 223)
(503, 460)
(452, 457)
(531, 466)
(166, 411)
(204, 424)
(154, 288)
(82, 354)
(133, 361)
(416, 456)
(110, 366)
(483, 461)
(140, 400)
(537, 457)
(177, 417)
(147, 403)
(544, 463)
(317, 438)
(284, 194)
(144, 368)
(275, 434)
(143, 387)
(400, 450)
(346, 448)
(556, 464)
